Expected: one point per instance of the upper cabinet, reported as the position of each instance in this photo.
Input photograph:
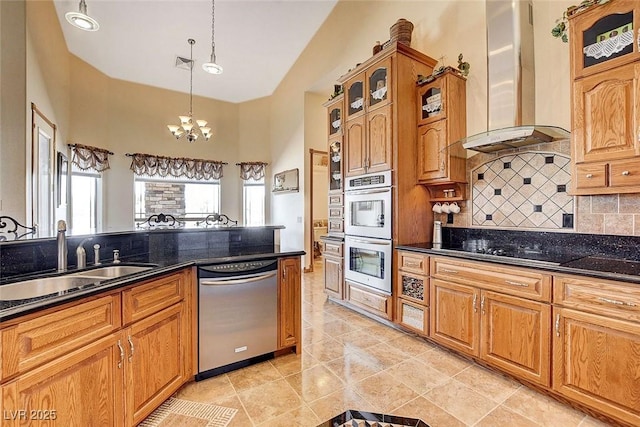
(442, 122)
(605, 70)
(335, 122)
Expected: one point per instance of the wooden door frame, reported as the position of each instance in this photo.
(312, 152)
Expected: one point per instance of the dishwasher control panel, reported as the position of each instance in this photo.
(240, 267)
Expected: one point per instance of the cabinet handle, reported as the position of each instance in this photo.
(589, 175)
(121, 355)
(616, 302)
(444, 270)
(131, 347)
(625, 173)
(482, 304)
(558, 324)
(509, 282)
(475, 299)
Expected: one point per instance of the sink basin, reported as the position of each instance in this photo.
(111, 272)
(46, 286)
(52, 285)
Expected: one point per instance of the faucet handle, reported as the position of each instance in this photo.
(116, 256)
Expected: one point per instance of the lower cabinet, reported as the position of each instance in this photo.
(367, 299)
(455, 320)
(333, 264)
(289, 304)
(117, 379)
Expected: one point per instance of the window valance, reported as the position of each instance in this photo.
(86, 157)
(252, 170)
(150, 165)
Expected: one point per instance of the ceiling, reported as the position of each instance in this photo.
(257, 41)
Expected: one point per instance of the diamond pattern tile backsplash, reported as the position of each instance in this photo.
(526, 190)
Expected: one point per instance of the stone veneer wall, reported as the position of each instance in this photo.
(617, 214)
(162, 197)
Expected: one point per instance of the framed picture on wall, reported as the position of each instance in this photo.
(286, 182)
(62, 173)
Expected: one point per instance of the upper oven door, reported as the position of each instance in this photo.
(368, 212)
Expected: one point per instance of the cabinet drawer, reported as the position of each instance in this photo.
(336, 225)
(615, 299)
(336, 199)
(368, 299)
(509, 280)
(591, 176)
(624, 173)
(332, 249)
(414, 287)
(33, 342)
(413, 262)
(146, 299)
(335, 212)
(413, 316)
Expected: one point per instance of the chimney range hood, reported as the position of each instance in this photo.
(511, 81)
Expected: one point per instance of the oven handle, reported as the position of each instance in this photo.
(235, 280)
(370, 242)
(372, 191)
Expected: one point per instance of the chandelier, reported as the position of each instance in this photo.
(211, 66)
(187, 126)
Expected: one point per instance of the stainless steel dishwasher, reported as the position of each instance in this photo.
(237, 315)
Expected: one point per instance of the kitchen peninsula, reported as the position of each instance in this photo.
(113, 351)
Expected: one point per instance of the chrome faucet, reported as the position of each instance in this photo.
(81, 254)
(62, 245)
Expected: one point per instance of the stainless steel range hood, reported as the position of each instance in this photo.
(511, 81)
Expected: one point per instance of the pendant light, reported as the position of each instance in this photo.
(211, 67)
(187, 126)
(81, 20)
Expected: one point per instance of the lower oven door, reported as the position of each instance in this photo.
(368, 262)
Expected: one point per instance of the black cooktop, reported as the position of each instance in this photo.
(534, 252)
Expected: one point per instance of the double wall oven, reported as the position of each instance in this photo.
(368, 245)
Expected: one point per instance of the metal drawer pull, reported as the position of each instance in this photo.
(616, 302)
(475, 299)
(131, 347)
(509, 282)
(444, 270)
(589, 175)
(558, 325)
(625, 173)
(121, 354)
(482, 304)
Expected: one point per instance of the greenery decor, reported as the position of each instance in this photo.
(560, 30)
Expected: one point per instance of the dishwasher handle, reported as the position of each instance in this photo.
(236, 280)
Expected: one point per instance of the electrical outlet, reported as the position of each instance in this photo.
(299, 219)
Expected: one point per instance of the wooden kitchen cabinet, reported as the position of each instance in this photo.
(333, 261)
(83, 388)
(78, 361)
(412, 291)
(355, 151)
(289, 304)
(606, 99)
(335, 124)
(442, 122)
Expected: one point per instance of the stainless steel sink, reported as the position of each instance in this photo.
(111, 272)
(40, 287)
(53, 285)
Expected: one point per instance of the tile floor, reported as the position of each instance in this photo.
(352, 362)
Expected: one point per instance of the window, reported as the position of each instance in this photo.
(184, 199)
(86, 201)
(253, 198)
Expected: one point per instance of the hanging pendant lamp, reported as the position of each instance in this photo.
(81, 20)
(212, 67)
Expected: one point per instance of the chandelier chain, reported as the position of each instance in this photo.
(191, 42)
(213, 29)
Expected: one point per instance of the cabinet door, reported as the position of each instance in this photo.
(335, 164)
(516, 336)
(379, 140)
(454, 319)
(432, 145)
(333, 276)
(431, 101)
(289, 304)
(595, 362)
(378, 81)
(354, 96)
(155, 358)
(355, 150)
(82, 388)
(606, 115)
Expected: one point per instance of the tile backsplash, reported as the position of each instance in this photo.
(616, 214)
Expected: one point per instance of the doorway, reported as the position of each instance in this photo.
(318, 202)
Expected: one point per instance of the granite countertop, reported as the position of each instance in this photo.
(186, 258)
(563, 260)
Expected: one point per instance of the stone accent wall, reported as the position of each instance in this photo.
(164, 197)
(616, 214)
